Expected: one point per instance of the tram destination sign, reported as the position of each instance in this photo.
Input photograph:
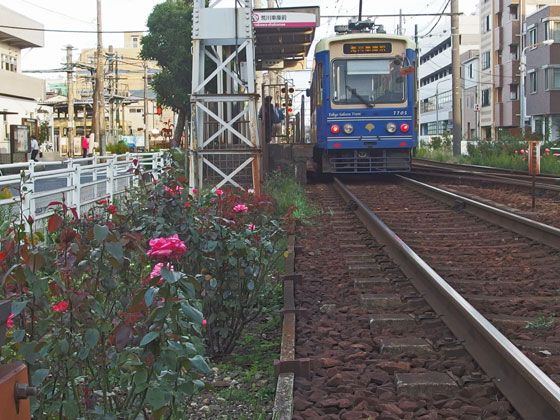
(368, 48)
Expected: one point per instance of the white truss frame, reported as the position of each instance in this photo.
(213, 34)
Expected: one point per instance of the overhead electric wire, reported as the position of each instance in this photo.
(23, 28)
(435, 24)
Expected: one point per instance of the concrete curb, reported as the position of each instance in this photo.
(284, 368)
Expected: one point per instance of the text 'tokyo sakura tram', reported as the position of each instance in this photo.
(363, 101)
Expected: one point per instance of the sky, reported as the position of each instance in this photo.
(131, 15)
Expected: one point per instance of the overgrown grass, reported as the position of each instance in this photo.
(287, 191)
(505, 153)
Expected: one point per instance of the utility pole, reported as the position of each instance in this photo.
(400, 31)
(111, 58)
(70, 97)
(456, 77)
(416, 80)
(99, 99)
(146, 140)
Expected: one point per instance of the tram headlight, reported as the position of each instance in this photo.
(391, 127)
(348, 128)
(335, 129)
(405, 128)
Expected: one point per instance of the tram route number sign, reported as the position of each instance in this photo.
(368, 48)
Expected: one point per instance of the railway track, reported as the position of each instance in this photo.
(392, 342)
(484, 174)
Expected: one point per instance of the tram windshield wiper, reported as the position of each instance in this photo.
(360, 97)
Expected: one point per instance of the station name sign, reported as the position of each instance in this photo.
(269, 19)
(368, 48)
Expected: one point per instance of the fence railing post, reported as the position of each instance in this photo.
(27, 194)
(111, 178)
(77, 192)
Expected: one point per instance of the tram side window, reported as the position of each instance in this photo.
(319, 85)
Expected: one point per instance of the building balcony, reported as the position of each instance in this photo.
(506, 114)
(510, 33)
(498, 38)
(498, 76)
(510, 72)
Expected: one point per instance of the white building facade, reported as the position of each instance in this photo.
(19, 93)
(435, 93)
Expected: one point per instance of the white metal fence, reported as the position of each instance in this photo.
(79, 183)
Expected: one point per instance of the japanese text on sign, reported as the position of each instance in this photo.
(369, 48)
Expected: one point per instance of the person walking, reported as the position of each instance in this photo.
(85, 146)
(34, 148)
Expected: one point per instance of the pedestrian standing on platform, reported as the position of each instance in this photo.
(85, 146)
(34, 148)
(266, 114)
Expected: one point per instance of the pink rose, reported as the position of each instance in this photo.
(240, 208)
(156, 272)
(10, 322)
(171, 247)
(194, 190)
(219, 192)
(251, 227)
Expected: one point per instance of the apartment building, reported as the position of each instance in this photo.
(435, 79)
(542, 73)
(500, 54)
(19, 113)
(470, 109)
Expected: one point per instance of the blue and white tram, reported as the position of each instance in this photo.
(363, 97)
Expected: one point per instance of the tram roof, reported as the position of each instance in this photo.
(325, 43)
(284, 36)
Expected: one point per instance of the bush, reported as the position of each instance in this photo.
(119, 148)
(233, 241)
(104, 328)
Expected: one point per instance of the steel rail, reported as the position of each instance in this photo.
(488, 178)
(539, 232)
(467, 167)
(533, 394)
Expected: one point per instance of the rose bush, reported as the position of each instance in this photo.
(104, 334)
(233, 241)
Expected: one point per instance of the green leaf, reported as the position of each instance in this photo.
(39, 376)
(100, 233)
(170, 276)
(192, 313)
(19, 335)
(148, 338)
(62, 346)
(141, 376)
(91, 337)
(251, 285)
(17, 307)
(199, 363)
(83, 353)
(150, 294)
(70, 409)
(211, 245)
(213, 283)
(115, 249)
(155, 398)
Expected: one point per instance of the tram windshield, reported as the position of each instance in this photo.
(367, 82)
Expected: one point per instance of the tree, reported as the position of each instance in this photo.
(169, 43)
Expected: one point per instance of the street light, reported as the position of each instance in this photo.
(523, 68)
